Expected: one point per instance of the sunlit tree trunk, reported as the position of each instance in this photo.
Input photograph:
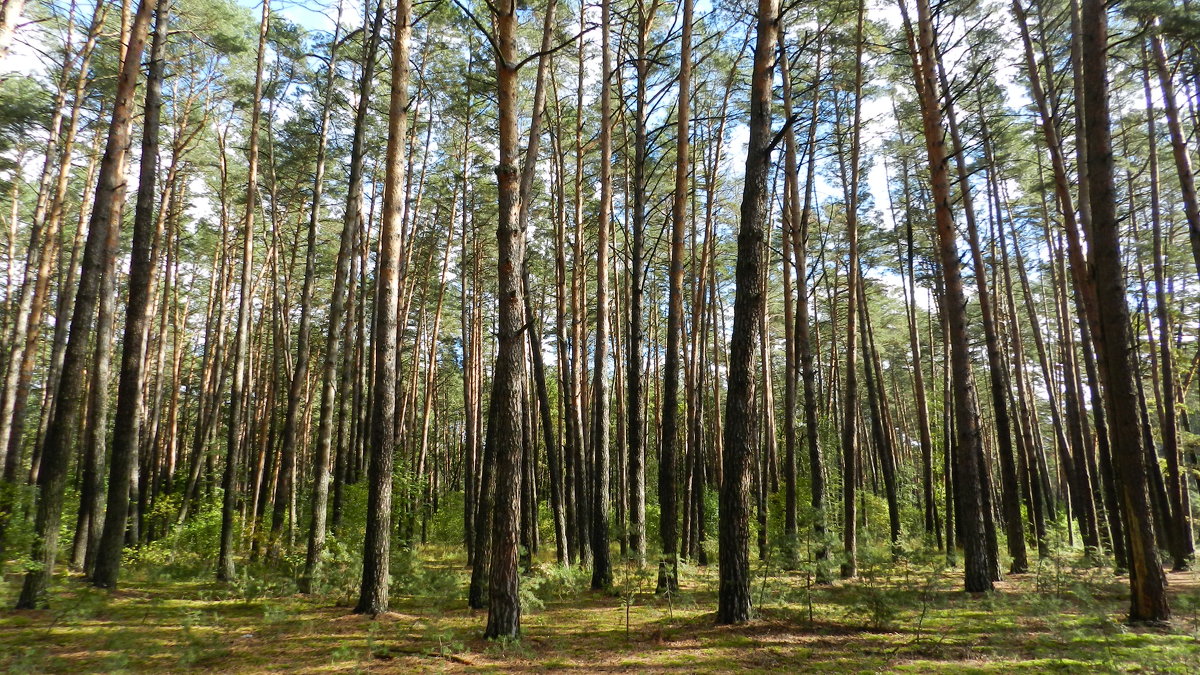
(337, 308)
(1179, 148)
(373, 594)
(299, 382)
(968, 481)
(601, 566)
(225, 569)
(668, 566)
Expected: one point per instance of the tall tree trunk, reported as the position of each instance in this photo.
(850, 442)
(1027, 421)
(969, 482)
(225, 569)
(1010, 491)
(373, 594)
(601, 566)
(576, 408)
(508, 387)
(534, 334)
(733, 599)
(668, 566)
(634, 407)
(471, 454)
(299, 381)
(1180, 542)
(804, 343)
(789, 220)
(914, 342)
(881, 422)
(137, 316)
(1148, 600)
(337, 308)
(105, 217)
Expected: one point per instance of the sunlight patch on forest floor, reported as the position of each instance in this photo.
(896, 617)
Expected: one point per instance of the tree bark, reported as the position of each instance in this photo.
(1180, 542)
(105, 217)
(850, 441)
(1010, 491)
(504, 603)
(969, 482)
(741, 429)
(299, 381)
(601, 565)
(225, 568)
(1148, 601)
(137, 316)
(373, 594)
(1179, 149)
(668, 566)
(337, 309)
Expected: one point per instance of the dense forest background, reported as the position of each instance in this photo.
(324, 295)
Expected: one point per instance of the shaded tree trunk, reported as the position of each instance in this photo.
(137, 316)
(601, 566)
(1148, 600)
(105, 218)
(741, 429)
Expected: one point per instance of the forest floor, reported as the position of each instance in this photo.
(896, 617)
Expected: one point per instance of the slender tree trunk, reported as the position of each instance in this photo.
(668, 566)
(576, 408)
(635, 410)
(601, 566)
(850, 442)
(968, 481)
(789, 221)
(1026, 418)
(1010, 497)
(337, 309)
(1181, 544)
(914, 341)
(225, 569)
(549, 435)
(804, 342)
(1179, 149)
(373, 594)
(881, 423)
(299, 381)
